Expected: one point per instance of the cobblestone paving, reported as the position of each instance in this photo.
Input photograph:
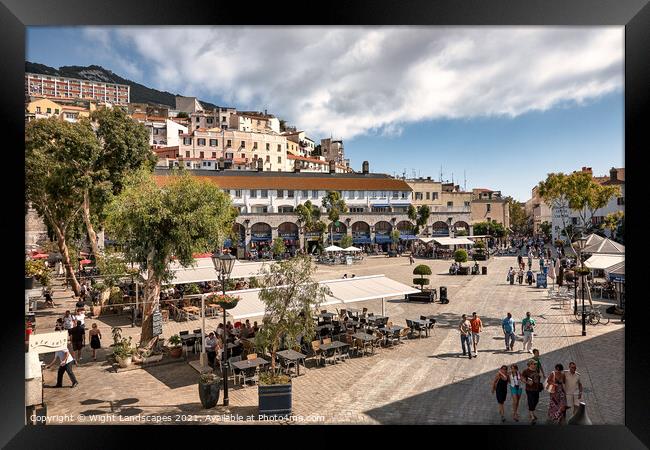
(420, 381)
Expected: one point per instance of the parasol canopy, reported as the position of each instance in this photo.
(351, 249)
(333, 248)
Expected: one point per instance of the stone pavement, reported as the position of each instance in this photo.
(423, 381)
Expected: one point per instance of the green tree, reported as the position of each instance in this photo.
(346, 241)
(394, 237)
(278, 248)
(575, 192)
(57, 154)
(183, 216)
(424, 212)
(421, 269)
(123, 148)
(494, 229)
(460, 256)
(613, 222)
(309, 215)
(183, 115)
(518, 218)
(290, 296)
(335, 206)
(546, 227)
(412, 213)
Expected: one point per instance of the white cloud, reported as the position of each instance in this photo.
(350, 81)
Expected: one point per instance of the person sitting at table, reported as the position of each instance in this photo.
(256, 328)
(246, 329)
(220, 331)
(210, 346)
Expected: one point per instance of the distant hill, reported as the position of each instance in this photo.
(139, 92)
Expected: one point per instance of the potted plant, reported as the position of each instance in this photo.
(122, 350)
(290, 296)
(421, 269)
(209, 390)
(36, 270)
(224, 301)
(174, 344)
(460, 256)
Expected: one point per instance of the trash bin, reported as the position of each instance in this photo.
(443, 295)
(484, 270)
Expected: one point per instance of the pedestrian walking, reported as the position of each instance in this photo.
(477, 327)
(68, 321)
(508, 326)
(532, 379)
(78, 336)
(529, 277)
(411, 259)
(210, 348)
(520, 275)
(530, 260)
(59, 325)
(465, 328)
(500, 387)
(555, 385)
(65, 358)
(527, 331)
(95, 340)
(511, 276)
(538, 362)
(572, 387)
(516, 388)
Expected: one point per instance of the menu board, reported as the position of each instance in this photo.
(157, 322)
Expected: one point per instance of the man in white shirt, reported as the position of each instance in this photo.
(66, 361)
(572, 387)
(68, 321)
(210, 348)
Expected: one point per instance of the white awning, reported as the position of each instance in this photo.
(604, 261)
(453, 241)
(426, 240)
(333, 248)
(351, 249)
(344, 291)
(204, 271)
(605, 246)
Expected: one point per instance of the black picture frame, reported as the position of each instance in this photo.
(15, 15)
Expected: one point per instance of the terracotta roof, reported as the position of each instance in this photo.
(296, 181)
(304, 158)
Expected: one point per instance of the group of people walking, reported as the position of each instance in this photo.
(564, 388)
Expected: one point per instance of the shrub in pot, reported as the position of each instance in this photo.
(209, 390)
(421, 269)
(122, 350)
(174, 344)
(290, 296)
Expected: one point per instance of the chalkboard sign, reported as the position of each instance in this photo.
(157, 322)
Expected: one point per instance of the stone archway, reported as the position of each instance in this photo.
(440, 228)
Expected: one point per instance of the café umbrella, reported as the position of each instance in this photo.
(333, 248)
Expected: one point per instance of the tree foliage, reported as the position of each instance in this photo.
(278, 248)
(346, 241)
(578, 192)
(421, 269)
(290, 296)
(546, 228)
(335, 206)
(58, 155)
(412, 213)
(460, 255)
(518, 220)
(494, 229)
(614, 222)
(184, 216)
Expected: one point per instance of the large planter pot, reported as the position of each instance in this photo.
(29, 282)
(124, 362)
(175, 352)
(209, 394)
(274, 399)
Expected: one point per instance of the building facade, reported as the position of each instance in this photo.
(450, 208)
(377, 205)
(489, 206)
(537, 211)
(53, 87)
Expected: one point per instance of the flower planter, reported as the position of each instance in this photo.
(229, 305)
(175, 352)
(274, 399)
(124, 362)
(209, 394)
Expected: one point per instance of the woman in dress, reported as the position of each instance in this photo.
(555, 385)
(500, 386)
(95, 343)
(516, 388)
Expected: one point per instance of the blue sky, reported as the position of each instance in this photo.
(500, 104)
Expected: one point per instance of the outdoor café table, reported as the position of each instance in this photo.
(365, 337)
(328, 315)
(423, 323)
(333, 345)
(292, 355)
(376, 318)
(390, 330)
(249, 363)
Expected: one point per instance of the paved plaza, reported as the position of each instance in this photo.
(422, 381)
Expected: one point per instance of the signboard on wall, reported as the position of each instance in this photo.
(48, 342)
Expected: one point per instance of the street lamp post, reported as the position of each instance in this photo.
(581, 245)
(223, 264)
